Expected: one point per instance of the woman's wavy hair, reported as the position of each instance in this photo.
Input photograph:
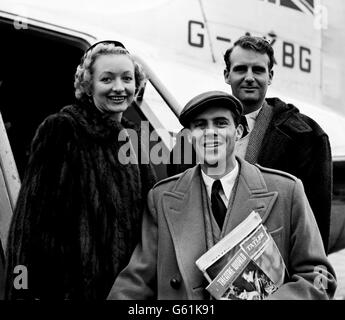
(84, 74)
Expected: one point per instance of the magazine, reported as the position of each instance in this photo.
(245, 265)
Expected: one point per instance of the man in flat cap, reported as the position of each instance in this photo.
(188, 213)
(280, 137)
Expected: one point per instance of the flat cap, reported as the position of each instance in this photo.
(209, 99)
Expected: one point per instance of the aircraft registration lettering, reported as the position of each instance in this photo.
(195, 38)
(292, 55)
(289, 57)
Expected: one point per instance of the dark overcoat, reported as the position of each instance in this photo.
(78, 215)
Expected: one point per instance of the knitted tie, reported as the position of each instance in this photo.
(218, 206)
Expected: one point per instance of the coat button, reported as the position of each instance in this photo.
(175, 283)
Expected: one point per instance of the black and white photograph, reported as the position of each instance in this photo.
(136, 135)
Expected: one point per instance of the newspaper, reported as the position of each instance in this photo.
(245, 265)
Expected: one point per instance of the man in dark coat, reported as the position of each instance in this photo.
(280, 137)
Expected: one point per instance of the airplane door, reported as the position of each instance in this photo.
(9, 185)
(9, 188)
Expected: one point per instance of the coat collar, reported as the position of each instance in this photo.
(95, 123)
(183, 211)
(285, 126)
(251, 194)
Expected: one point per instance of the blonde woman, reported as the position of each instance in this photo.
(78, 214)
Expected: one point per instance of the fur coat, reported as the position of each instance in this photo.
(293, 143)
(78, 215)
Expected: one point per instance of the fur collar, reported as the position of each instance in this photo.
(95, 123)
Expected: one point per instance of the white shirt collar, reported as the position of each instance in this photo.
(251, 118)
(227, 182)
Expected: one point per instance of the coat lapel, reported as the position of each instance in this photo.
(274, 136)
(257, 135)
(251, 194)
(184, 213)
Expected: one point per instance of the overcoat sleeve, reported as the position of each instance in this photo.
(138, 281)
(316, 175)
(311, 277)
(40, 222)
